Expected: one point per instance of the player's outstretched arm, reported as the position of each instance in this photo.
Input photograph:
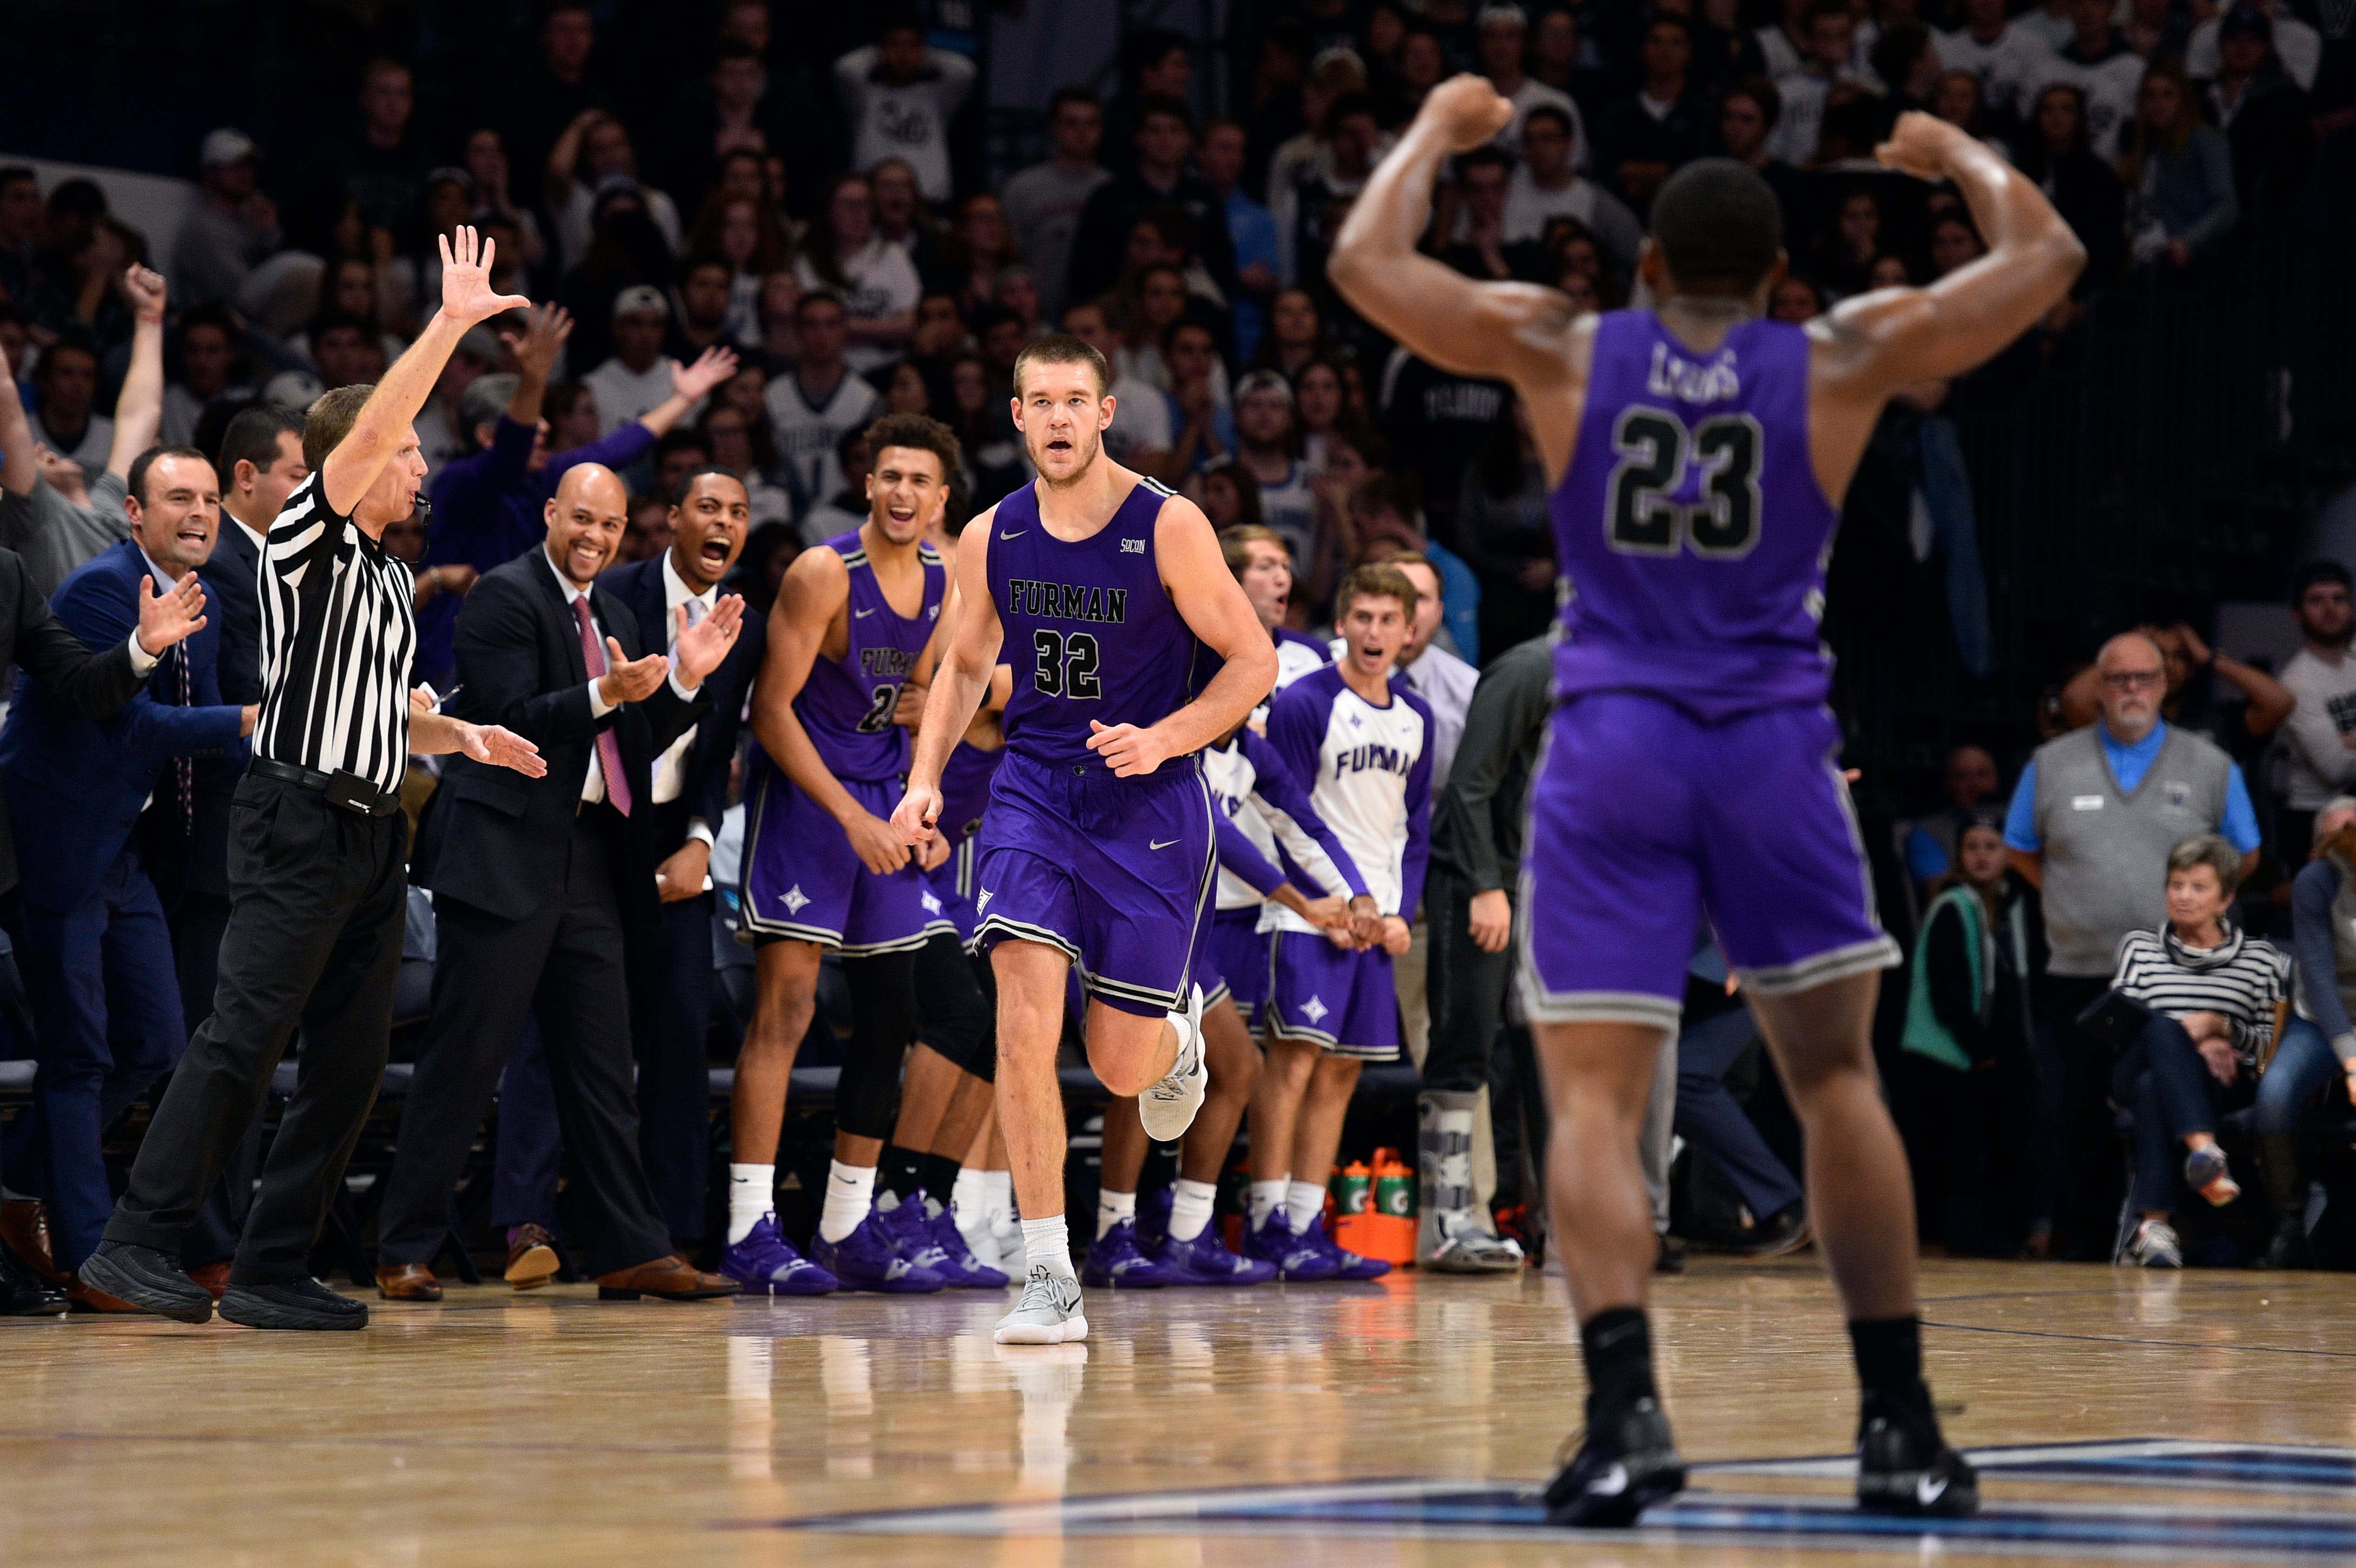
(1520, 331)
(1212, 605)
(1875, 343)
(961, 679)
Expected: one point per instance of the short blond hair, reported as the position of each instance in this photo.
(1376, 579)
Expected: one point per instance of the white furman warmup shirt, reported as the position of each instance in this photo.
(1369, 776)
(806, 435)
(1252, 787)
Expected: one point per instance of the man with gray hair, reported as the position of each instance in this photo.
(2093, 820)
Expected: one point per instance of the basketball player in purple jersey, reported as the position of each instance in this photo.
(856, 619)
(1105, 591)
(1698, 454)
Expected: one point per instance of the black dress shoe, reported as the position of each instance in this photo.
(23, 1293)
(292, 1303)
(147, 1278)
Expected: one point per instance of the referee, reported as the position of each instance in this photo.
(316, 861)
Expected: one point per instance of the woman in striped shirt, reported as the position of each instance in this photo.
(2211, 991)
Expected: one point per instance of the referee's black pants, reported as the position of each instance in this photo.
(564, 965)
(317, 895)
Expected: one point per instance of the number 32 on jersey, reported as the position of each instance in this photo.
(1642, 514)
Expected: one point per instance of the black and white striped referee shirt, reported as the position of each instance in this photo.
(338, 633)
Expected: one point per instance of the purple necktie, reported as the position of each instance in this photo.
(609, 750)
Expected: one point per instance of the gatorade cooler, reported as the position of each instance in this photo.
(1385, 1226)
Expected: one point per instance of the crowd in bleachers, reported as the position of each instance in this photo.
(704, 303)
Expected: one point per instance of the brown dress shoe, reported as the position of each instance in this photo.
(213, 1276)
(80, 1298)
(407, 1282)
(531, 1257)
(25, 1226)
(665, 1277)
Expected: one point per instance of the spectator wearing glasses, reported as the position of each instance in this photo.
(2092, 823)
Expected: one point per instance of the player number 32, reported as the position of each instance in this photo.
(1067, 665)
(1654, 448)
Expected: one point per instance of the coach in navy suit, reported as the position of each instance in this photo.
(669, 965)
(535, 882)
(106, 998)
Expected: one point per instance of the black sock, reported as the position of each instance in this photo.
(1618, 1345)
(899, 1169)
(936, 1174)
(1889, 1368)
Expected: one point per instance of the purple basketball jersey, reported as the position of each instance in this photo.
(965, 789)
(1691, 531)
(1089, 628)
(846, 705)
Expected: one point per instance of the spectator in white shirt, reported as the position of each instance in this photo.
(874, 278)
(2098, 63)
(1504, 32)
(1831, 61)
(1043, 201)
(2321, 733)
(1548, 186)
(638, 378)
(234, 226)
(67, 379)
(1138, 436)
(899, 96)
(2003, 55)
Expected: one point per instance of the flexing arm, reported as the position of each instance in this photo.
(816, 592)
(1873, 344)
(384, 419)
(139, 408)
(1518, 330)
(961, 680)
(1212, 605)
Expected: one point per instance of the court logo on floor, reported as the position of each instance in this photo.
(2027, 1508)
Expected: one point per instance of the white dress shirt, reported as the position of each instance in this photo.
(670, 768)
(593, 787)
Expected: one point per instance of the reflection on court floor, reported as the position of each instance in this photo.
(2019, 1516)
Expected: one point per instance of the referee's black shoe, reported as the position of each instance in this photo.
(147, 1279)
(1904, 1468)
(1620, 1471)
(292, 1303)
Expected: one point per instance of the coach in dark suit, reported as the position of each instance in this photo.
(535, 882)
(99, 959)
(670, 964)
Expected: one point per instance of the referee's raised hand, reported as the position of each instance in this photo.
(468, 296)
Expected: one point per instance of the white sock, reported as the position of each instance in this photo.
(752, 1193)
(1184, 1030)
(1303, 1201)
(1267, 1198)
(1112, 1208)
(1048, 1243)
(1001, 1191)
(971, 1196)
(1190, 1208)
(849, 1194)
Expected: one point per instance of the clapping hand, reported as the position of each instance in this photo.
(697, 650)
(502, 748)
(168, 617)
(712, 367)
(468, 296)
(628, 680)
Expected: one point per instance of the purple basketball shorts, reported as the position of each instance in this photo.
(1644, 818)
(1117, 872)
(1343, 1000)
(1238, 951)
(802, 881)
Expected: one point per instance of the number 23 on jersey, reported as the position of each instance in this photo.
(1643, 513)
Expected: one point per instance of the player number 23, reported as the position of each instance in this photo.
(1067, 665)
(1653, 448)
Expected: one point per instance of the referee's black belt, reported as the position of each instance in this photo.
(349, 791)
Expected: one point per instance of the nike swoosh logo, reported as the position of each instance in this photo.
(1611, 1483)
(1928, 1491)
(1164, 843)
(1015, 535)
(860, 615)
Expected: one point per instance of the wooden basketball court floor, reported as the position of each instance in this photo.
(2202, 1417)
